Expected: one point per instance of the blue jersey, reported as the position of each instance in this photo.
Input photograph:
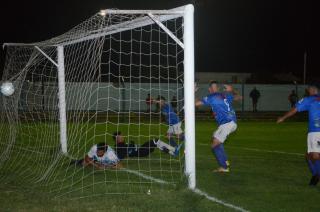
(312, 105)
(171, 116)
(221, 105)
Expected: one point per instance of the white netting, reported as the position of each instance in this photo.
(111, 63)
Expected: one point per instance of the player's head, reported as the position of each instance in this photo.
(101, 148)
(118, 137)
(213, 87)
(313, 89)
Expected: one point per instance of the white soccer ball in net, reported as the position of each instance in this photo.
(7, 88)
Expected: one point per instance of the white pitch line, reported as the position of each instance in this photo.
(260, 150)
(213, 199)
(146, 176)
(196, 190)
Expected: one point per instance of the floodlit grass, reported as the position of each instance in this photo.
(263, 176)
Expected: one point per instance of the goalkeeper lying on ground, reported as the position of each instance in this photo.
(100, 156)
(130, 149)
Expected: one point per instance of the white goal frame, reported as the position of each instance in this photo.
(152, 17)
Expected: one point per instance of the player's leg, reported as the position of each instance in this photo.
(179, 132)
(314, 157)
(176, 131)
(170, 136)
(146, 148)
(181, 137)
(174, 151)
(217, 146)
(219, 153)
(312, 169)
(171, 140)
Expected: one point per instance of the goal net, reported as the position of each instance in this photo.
(78, 89)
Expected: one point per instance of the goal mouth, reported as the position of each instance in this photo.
(103, 76)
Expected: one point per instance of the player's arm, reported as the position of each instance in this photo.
(89, 161)
(287, 115)
(115, 164)
(302, 105)
(235, 93)
(198, 103)
(111, 166)
(118, 165)
(237, 96)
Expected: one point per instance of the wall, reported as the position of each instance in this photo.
(104, 96)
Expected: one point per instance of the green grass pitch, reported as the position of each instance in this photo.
(268, 173)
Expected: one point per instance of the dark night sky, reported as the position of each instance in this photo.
(231, 35)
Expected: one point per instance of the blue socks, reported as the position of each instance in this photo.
(172, 142)
(316, 165)
(225, 155)
(181, 137)
(311, 167)
(220, 155)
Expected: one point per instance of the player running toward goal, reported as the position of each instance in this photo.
(312, 105)
(100, 156)
(173, 121)
(221, 105)
(130, 149)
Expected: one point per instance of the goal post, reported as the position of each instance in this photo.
(61, 95)
(75, 86)
(189, 102)
(62, 100)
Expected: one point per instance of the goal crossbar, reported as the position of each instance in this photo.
(128, 25)
(177, 10)
(162, 16)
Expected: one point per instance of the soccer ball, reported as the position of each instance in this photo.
(7, 88)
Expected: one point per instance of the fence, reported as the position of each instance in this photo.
(107, 96)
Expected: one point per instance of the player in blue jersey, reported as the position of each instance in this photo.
(312, 105)
(221, 105)
(173, 121)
